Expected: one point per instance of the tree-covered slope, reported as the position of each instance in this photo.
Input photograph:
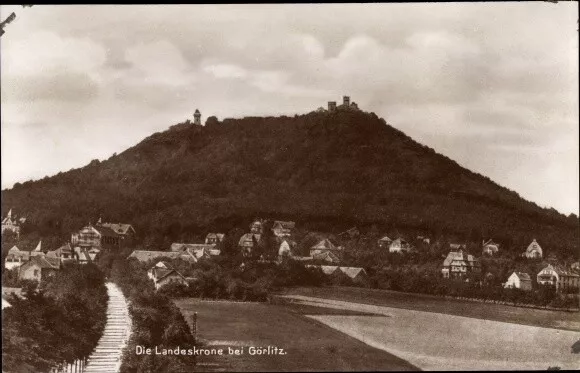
(338, 168)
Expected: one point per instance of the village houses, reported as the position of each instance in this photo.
(349, 234)
(87, 237)
(519, 280)
(355, 274)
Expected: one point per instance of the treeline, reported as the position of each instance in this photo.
(59, 322)
(314, 168)
(412, 281)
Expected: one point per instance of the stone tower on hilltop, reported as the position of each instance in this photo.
(197, 117)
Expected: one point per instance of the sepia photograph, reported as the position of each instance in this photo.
(290, 187)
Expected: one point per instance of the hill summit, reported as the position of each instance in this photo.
(334, 168)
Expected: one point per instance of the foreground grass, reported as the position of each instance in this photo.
(496, 312)
(310, 345)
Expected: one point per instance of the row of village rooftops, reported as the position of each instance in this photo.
(332, 107)
(90, 239)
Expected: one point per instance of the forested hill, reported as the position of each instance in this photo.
(319, 169)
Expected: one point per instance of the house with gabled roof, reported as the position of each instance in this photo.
(459, 264)
(534, 250)
(162, 274)
(384, 242)
(116, 235)
(489, 247)
(519, 280)
(351, 233)
(248, 242)
(257, 226)
(559, 277)
(285, 249)
(356, 274)
(64, 253)
(326, 256)
(16, 257)
(12, 223)
(399, 245)
(38, 268)
(145, 256)
(214, 238)
(324, 245)
(87, 237)
(283, 228)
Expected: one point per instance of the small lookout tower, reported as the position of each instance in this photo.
(197, 117)
(331, 106)
(346, 101)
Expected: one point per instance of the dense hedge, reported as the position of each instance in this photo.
(156, 322)
(60, 321)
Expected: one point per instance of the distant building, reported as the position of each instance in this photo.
(214, 238)
(87, 237)
(331, 106)
(326, 256)
(82, 254)
(534, 251)
(399, 245)
(459, 264)
(384, 242)
(519, 280)
(38, 268)
(324, 246)
(283, 228)
(489, 248)
(116, 235)
(257, 226)
(248, 242)
(16, 257)
(356, 274)
(145, 255)
(162, 274)
(351, 233)
(12, 223)
(197, 250)
(457, 246)
(284, 250)
(197, 117)
(64, 254)
(558, 277)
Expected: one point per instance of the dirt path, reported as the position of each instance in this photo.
(107, 355)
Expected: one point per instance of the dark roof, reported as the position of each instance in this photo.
(285, 224)
(523, 276)
(43, 262)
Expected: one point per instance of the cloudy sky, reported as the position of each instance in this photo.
(493, 86)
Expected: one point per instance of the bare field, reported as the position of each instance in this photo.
(436, 341)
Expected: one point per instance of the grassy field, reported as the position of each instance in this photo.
(310, 345)
(496, 312)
